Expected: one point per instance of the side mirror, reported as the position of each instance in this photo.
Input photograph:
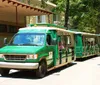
(5, 41)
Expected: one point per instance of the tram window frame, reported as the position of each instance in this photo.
(88, 41)
(48, 41)
(62, 43)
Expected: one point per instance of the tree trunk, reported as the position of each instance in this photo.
(67, 14)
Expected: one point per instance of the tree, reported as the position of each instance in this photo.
(80, 14)
(67, 13)
(43, 3)
(86, 16)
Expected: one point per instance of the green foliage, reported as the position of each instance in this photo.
(60, 5)
(43, 3)
(84, 14)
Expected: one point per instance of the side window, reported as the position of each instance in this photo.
(48, 39)
(62, 42)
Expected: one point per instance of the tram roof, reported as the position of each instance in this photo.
(41, 28)
(53, 27)
(83, 33)
(9, 7)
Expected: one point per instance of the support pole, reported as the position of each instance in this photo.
(16, 17)
(48, 18)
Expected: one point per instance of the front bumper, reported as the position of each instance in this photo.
(19, 65)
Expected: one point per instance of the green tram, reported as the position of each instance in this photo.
(44, 48)
(86, 44)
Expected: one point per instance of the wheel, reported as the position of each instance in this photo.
(4, 72)
(42, 69)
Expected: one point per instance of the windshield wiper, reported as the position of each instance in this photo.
(31, 44)
(24, 44)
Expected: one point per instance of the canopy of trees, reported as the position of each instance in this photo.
(83, 15)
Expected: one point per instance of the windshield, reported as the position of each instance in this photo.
(28, 39)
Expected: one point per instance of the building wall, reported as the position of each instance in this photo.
(38, 4)
(5, 35)
(42, 18)
(8, 21)
(39, 19)
(8, 26)
(11, 19)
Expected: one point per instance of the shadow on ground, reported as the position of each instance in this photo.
(31, 74)
(86, 58)
(61, 69)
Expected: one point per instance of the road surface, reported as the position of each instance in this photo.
(85, 72)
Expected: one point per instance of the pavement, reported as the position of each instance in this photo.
(86, 72)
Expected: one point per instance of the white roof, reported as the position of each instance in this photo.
(45, 28)
(54, 28)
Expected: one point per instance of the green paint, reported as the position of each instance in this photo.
(47, 24)
(78, 45)
(43, 51)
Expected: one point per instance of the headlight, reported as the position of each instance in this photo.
(35, 56)
(1, 55)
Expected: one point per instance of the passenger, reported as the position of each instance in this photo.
(61, 45)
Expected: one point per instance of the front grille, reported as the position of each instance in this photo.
(15, 57)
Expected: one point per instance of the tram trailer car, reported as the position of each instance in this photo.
(86, 45)
(37, 48)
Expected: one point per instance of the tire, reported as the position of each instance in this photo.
(4, 72)
(42, 70)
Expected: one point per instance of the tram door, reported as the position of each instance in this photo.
(62, 49)
(78, 45)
